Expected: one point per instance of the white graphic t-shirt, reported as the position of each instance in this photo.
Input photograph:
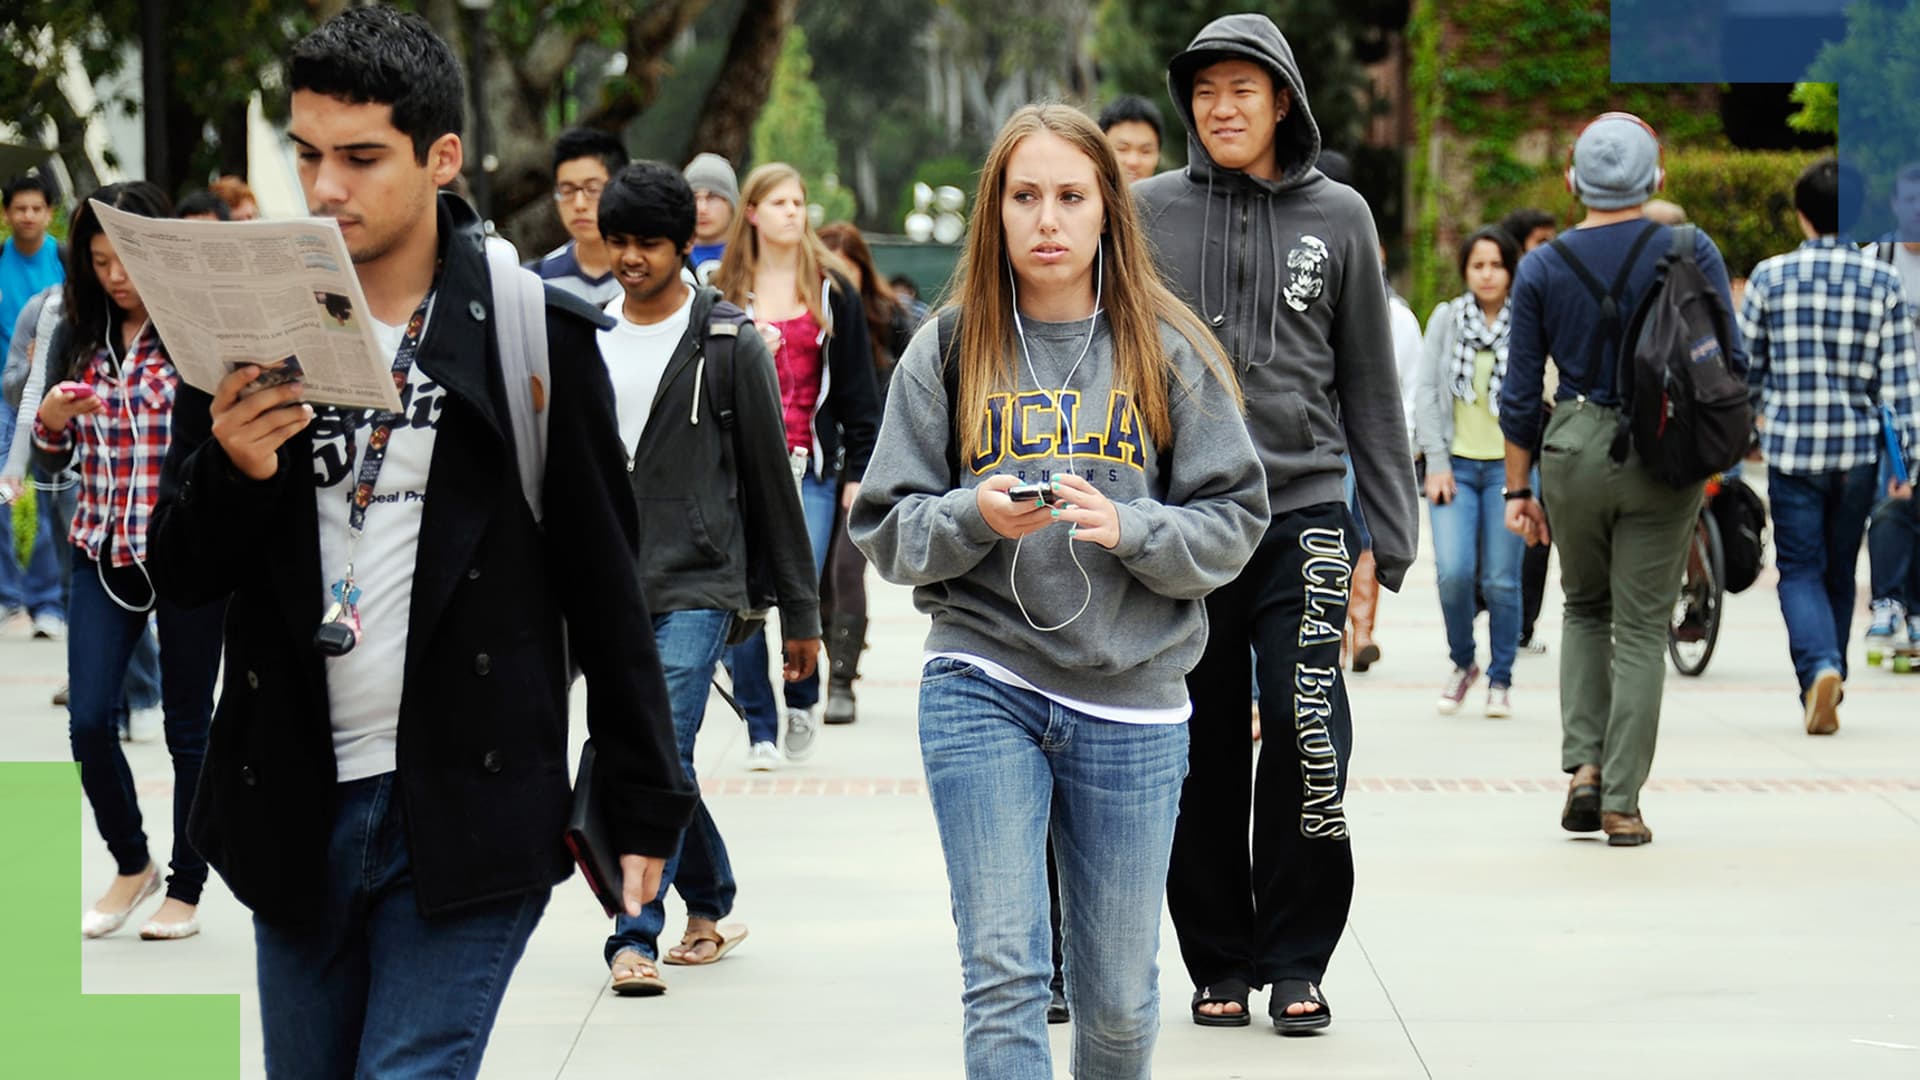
(363, 686)
(636, 357)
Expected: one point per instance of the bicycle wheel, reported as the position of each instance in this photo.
(1695, 626)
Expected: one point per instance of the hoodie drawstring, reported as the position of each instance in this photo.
(1225, 245)
(699, 376)
(1273, 306)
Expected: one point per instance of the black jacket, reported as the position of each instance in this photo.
(697, 536)
(847, 417)
(482, 752)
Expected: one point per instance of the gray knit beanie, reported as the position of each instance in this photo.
(1616, 163)
(711, 172)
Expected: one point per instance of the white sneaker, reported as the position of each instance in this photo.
(801, 727)
(146, 725)
(763, 757)
(49, 627)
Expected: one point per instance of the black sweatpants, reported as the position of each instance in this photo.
(1279, 913)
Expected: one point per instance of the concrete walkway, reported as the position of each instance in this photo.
(1773, 930)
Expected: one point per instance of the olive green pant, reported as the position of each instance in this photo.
(1622, 536)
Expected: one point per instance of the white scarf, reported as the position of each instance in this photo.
(1472, 335)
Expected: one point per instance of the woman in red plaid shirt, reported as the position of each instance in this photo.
(107, 415)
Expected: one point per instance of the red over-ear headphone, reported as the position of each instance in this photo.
(1659, 172)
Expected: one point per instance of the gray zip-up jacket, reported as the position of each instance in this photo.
(1189, 517)
(1433, 396)
(1287, 272)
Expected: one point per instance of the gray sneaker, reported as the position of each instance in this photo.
(801, 727)
(763, 757)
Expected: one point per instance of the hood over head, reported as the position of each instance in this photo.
(1247, 37)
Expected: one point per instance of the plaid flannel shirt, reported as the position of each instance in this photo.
(118, 451)
(1830, 339)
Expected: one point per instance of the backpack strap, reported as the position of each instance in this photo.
(520, 321)
(723, 322)
(1607, 297)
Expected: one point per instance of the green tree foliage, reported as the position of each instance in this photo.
(1819, 108)
(870, 71)
(793, 128)
(1332, 40)
(215, 61)
(1877, 67)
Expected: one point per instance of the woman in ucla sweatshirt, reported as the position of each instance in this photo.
(1065, 616)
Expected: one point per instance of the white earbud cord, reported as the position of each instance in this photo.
(126, 520)
(1073, 547)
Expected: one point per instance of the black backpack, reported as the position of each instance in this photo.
(1742, 518)
(1683, 409)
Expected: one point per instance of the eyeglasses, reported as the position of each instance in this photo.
(591, 189)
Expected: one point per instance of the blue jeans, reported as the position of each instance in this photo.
(1818, 521)
(100, 639)
(143, 673)
(1006, 768)
(1472, 547)
(747, 662)
(1891, 541)
(373, 988)
(690, 643)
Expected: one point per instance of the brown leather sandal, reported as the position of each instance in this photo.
(724, 938)
(1625, 830)
(635, 976)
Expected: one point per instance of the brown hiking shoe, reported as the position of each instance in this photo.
(1625, 830)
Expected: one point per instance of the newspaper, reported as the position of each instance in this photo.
(280, 294)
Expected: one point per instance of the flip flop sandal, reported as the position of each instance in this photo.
(1582, 812)
(1224, 992)
(724, 938)
(1298, 992)
(642, 979)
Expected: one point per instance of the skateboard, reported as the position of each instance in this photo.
(1903, 659)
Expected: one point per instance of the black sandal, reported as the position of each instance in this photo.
(1298, 992)
(1224, 992)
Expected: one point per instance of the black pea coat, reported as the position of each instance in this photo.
(482, 738)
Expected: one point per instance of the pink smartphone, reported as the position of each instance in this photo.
(79, 391)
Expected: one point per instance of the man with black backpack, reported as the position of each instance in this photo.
(1656, 342)
(1832, 344)
(722, 533)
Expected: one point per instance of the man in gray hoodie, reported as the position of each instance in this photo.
(1284, 264)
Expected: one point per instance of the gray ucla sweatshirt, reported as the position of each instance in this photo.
(1287, 272)
(1189, 517)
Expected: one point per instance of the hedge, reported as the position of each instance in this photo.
(1742, 198)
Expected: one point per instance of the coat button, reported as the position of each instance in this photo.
(473, 574)
(247, 777)
(478, 310)
(491, 762)
(253, 681)
(482, 664)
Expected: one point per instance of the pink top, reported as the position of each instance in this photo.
(798, 360)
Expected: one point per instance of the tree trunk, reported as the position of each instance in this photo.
(740, 91)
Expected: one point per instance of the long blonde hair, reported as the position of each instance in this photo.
(1134, 296)
(741, 260)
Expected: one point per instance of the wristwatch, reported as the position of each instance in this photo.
(1511, 494)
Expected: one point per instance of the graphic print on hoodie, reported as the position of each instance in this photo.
(1190, 515)
(1287, 274)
